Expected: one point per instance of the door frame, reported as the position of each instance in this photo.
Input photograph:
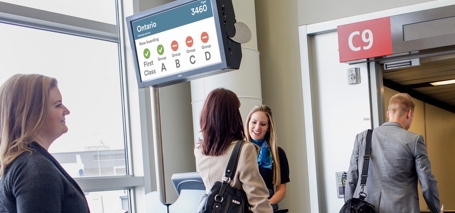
(306, 35)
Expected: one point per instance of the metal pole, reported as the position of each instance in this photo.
(157, 142)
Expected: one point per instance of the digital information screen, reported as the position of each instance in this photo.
(177, 40)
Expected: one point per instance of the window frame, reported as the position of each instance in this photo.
(60, 23)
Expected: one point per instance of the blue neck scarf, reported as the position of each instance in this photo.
(265, 155)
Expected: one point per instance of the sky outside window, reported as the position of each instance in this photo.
(88, 75)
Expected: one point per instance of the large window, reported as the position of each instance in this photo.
(88, 74)
(86, 61)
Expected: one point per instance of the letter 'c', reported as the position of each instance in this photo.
(351, 46)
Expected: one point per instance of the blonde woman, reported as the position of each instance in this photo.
(272, 160)
(32, 116)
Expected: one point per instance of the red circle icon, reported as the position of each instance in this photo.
(189, 41)
(174, 45)
(204, 37)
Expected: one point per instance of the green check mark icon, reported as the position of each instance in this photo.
(146, 53)
(160, 49)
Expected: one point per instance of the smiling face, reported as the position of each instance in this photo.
(55, 124)
(258, 125)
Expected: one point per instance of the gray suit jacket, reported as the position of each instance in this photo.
(398, 160)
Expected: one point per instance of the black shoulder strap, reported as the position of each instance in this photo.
(233, 161)
(366, 158)
(229, 173)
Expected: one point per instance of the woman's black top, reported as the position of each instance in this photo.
(267, 174)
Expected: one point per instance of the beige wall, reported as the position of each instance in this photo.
(437, 127)
(315, 11)
(440, 125)
(278, 45)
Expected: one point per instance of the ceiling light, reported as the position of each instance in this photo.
(439, 83)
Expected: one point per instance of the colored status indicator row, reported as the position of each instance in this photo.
(175, 45)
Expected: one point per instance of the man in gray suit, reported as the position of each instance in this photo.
(398, 160)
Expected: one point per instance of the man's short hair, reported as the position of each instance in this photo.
(400, 104)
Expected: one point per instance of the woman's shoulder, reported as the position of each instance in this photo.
(27, 158)
(29, 163)
(249, 146)
(283, 158)
(281, 151)
(249, 153)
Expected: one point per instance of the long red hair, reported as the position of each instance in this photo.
(221, 122)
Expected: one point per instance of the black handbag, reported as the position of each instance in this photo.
(224, 198)
(359, 205)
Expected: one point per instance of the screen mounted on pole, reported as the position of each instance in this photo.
(183, 40)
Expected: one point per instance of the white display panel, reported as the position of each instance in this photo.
(183, 40)
(178, 50)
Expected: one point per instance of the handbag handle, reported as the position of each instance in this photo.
(366, 163)
(230, 170)
(233, 160)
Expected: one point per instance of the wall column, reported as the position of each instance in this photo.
(245, 82)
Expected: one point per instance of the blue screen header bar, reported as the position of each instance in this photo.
(172, 18)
